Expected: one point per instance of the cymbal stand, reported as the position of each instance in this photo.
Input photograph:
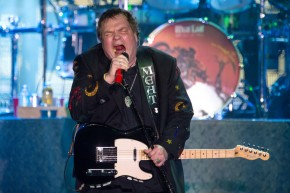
(14, 32)
(43, 36)
(262, 64)
(14, 66)
(123, 4)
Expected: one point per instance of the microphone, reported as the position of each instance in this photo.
(119, 72)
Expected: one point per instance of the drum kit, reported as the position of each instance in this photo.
(211, 64)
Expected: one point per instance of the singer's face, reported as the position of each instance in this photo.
(117, 37)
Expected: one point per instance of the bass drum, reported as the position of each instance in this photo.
(230, 6)
(208, 61)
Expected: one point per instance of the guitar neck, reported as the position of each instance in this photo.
(238, 151)
(201, 154)
(207, 153)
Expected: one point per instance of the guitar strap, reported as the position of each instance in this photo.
(147, 72)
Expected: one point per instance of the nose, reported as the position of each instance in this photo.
(116, 35)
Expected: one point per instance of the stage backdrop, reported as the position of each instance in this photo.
(33, 154)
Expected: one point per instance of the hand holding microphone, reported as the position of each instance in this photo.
(118, 65)
(119, 72)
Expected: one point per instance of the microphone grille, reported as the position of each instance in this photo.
(126, 55)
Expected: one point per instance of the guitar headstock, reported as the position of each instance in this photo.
(250, 153)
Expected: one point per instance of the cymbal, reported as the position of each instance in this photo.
(173, 5)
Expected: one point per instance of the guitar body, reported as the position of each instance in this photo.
(98, 150)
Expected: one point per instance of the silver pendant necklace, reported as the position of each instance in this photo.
(128, 100)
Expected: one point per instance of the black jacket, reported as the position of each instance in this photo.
(175, 110)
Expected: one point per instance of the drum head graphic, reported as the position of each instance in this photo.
(208, 61)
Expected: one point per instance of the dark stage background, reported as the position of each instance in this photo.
(33, 153)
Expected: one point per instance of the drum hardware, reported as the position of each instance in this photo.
(5, 104)
(283, 5)
(230, 6)
(82, 16)
(4, 30)
(13, 30)
(279, 102)
(262, 63)
(274, 27)
(97, 4)
(173, 5)
(239, 105)
(78, 23)
(72, 45)
(44, 33)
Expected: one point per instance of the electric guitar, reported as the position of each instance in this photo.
(102, 154)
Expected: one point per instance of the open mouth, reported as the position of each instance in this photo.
(119, 49)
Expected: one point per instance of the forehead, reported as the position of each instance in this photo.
(117, 21)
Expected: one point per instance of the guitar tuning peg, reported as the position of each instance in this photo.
(253, 146)
(249, 144)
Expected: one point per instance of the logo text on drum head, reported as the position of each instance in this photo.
(180, 29)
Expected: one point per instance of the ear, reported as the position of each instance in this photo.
(136, 38)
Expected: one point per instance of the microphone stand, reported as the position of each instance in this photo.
(262, 64)
(145, 131)
(44, 37)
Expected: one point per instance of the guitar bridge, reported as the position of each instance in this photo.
(106, 154)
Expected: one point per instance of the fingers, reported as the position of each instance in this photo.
(158, 155)
(120, 62)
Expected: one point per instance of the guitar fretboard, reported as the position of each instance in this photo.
(200, 154)
(207, 153)
(238, 151)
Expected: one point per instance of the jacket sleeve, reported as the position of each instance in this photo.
(178, 115)
(86, 91)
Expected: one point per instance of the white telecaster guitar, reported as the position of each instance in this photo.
(99, 161)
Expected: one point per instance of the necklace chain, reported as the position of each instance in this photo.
(133, 81)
